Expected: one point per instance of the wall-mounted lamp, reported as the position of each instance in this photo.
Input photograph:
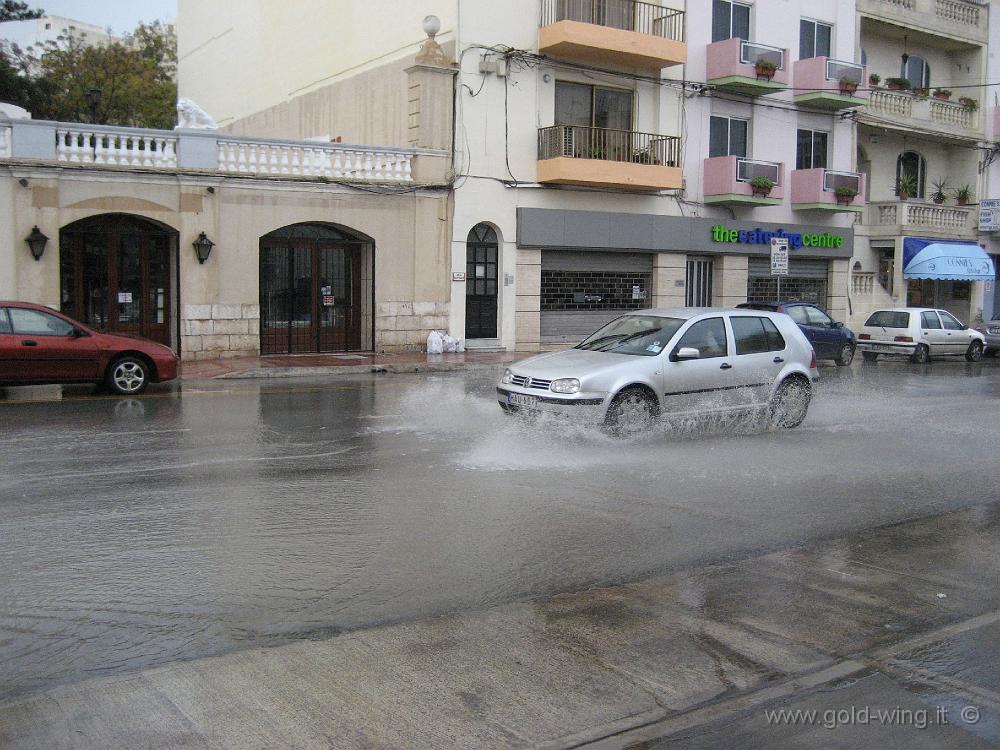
(23, 182)
(36, 242)
(210, 190)
(203, 247)
(546, 77)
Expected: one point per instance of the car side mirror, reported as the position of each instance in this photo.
(685, 353)
(77, 333)
(836, 324)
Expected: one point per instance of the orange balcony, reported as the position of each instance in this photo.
(599, 157)
(617, 33)
(733, 65)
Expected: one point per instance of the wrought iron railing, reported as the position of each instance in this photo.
(833, 180)
(630, 15)
(580, 142)
(747, 169)
(752, 53)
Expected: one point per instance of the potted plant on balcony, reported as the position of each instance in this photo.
(874, 79)
(963, 195)
(938, 196)
(898, 84)
(764, 69)
(848, 86)
(970, 104)
(845, 195)
(761, 186)
(943, 94)
(644, 156)
(923, 93)
(906, 186)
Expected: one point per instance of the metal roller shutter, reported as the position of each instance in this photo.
(802, 268)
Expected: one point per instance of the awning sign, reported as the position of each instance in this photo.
(989, 216)
(779, 256)
(955, 261)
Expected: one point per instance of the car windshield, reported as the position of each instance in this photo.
(889, 319)
(640, 335)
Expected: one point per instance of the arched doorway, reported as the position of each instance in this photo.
(313, 279)
(482, 251)
(114, 273)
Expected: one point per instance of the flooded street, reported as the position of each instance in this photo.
(208, 518)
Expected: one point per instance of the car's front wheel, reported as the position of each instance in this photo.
(127, 376)
(846, 356)
(632, 411)
(921, 355)
(790, 403)
(975, 351)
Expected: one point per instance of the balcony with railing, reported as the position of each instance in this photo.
(961, 19)
(85, 145)
(576, 155)
(613, 32)
(895, 218)
(826, 83)
(727, 180)
(747, 67)
(949, 120)
(827, 190)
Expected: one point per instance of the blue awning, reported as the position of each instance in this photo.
(955, 261)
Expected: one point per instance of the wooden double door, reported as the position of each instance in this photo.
(310, 296)
(115, 275)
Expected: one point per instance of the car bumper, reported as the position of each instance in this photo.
(887, 347)
(992, 341)
(166, 369)
(586, 406)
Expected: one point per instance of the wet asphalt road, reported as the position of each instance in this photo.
(214, 516)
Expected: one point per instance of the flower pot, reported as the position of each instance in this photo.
(845, 200)
(904, 196)
(939, 200)
(942, 97)
(846, 90)
(962, 201)
(760, 192)
(764, 73)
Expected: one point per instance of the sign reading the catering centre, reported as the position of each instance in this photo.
(721, 233)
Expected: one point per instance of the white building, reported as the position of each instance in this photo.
(37, 33)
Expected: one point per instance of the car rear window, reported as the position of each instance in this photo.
(889, 319)
(754, 335)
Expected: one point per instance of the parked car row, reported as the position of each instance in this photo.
(713, 360)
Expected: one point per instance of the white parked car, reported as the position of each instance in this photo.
(671, 362)
(918, 333)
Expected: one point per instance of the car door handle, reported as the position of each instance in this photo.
(778, 359)
(725, 366)
(29, 343)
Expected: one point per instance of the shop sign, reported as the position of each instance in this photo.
(458, 276)
(779, 256)
(758, 236)
(989, 216)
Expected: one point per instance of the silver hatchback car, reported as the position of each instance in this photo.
(671, 362)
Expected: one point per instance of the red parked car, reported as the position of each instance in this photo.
(39, 345)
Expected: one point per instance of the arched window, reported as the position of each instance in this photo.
(911, 165)
(916, 70)
(482, 251)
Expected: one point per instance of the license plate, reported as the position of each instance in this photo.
(519, 399)
(883, 348)
(993, 331)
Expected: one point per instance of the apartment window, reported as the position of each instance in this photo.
(814, 39)
(912, 164)
(730, 20)
(916, 70)
(728, 136)
(810, 151)
(593, 106)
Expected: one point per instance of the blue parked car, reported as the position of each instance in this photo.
(830, 338)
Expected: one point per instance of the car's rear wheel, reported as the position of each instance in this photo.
(791, 402)
(975, 351)
(127, 376)
(632, 411)
(869, 356)
(921, 355)
(846, 356)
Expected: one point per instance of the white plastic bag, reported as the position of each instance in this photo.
(435, 343)
(449, 343)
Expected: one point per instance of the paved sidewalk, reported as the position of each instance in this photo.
(901, 623)
(291, 365)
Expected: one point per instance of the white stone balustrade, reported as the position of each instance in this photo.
(202, 150)
(332, 161)
(966, 19)
(862, 283)
(924, 112)
(922, 215)
(119, 147)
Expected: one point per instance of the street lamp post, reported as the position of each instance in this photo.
(93, 97)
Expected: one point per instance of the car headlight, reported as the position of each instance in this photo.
(565, 385)
(508, 376)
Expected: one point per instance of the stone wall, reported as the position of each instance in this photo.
(404, 326)
(218, 331)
